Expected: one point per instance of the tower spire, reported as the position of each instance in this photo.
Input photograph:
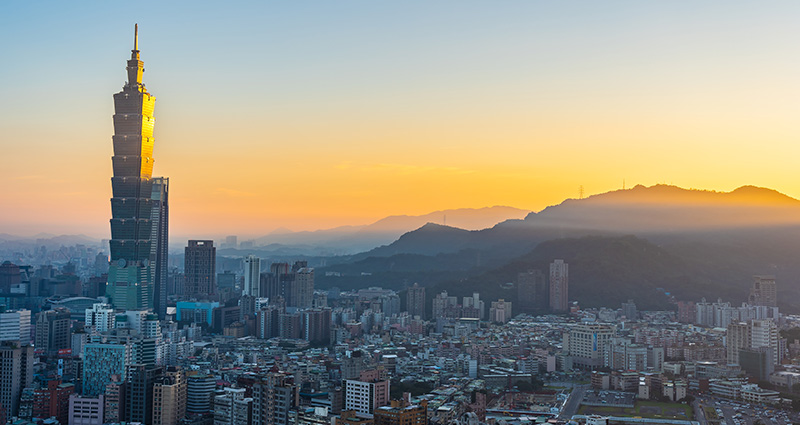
(135, 66)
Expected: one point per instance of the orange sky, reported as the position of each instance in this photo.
(303, 120)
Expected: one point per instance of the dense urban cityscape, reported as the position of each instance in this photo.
(132, 331)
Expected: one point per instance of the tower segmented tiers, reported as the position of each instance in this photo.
(138, 206)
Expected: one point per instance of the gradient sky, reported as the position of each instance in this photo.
(315, 114)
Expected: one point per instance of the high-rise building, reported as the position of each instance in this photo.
(317, 326)
(114, 400)
(200, 269)
(736, 338)
(764, 333)
(139, 392)
(161, 220)
(10, 276)
(532, 291)
(764, 291)
(559, 286)
(367, 393)
(415, 301)
(169, 397)
(302, 294)
(16, 373)
(274, 395)
(101, 317)
(500, 311)
(102, 362)
(252, 276)
(15, 325)
(199, 393)
(53, 330)
(138, 221)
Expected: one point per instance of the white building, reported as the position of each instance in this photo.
(585, 343)
(252, 276)
(101, 316)
(15, 325)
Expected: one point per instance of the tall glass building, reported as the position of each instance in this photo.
(139, 213)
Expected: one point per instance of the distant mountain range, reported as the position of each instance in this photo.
(691, 243)
(659, 212)
(353, 239)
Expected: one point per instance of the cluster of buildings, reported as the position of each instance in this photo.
(123, 340)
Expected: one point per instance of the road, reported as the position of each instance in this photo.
(573, 402)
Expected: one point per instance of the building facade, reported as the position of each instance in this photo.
(135, 216)
(200, 269)
(559, 286)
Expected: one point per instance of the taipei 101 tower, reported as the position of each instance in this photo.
(139, 208)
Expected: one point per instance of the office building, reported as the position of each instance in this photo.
(415, 301)
(200, 269)
(252, 276)
(559, 286)
(138, 221)
(16, 373)
(585, 344)
(15, 325)
(53, 330)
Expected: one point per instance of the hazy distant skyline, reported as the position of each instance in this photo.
(322, 114)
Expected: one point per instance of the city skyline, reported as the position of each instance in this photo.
(344, 114)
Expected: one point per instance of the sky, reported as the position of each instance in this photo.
(315, 114)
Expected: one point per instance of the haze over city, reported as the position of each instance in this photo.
(282, 115)
(416, 213)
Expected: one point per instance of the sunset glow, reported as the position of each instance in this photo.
(285, 115)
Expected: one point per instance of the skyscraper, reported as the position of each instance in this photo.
(161, 221)
(252, 276)
(137, 219)
(200, 268)
(559, 285)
